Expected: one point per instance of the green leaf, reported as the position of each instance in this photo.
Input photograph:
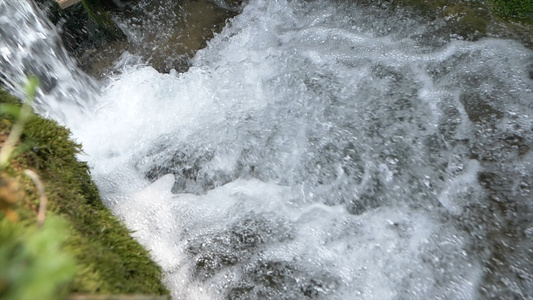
(11, 110)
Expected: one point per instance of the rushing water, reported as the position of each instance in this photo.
(314, 149)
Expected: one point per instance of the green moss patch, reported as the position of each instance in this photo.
(98, 12)
(514, 9)
(106, 259)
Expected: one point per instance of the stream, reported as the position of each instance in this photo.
(311, 150)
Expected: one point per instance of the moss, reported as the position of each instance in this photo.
(107, 259)
(520, 10)
(473, 11)
(426, 7)
(471, 18)
(513, 9)
(98, 12)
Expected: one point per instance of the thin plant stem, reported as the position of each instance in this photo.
(43, 200)
(18, 127)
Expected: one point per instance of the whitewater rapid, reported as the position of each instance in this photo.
(318, 149)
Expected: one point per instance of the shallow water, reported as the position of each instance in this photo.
(323, 150)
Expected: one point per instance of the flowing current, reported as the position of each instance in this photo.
(314, 149)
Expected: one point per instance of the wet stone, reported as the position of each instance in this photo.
(281, 280)
(479, 108)
(188, 25)
(239, 244)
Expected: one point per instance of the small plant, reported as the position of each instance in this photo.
(33, 263)
(22, 115)
(10, 192)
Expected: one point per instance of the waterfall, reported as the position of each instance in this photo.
(313, 149)
(30, 45)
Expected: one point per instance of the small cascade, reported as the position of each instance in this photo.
(29, 46)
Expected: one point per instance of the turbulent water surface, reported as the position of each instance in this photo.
(314, 149)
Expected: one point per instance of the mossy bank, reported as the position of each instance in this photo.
(81, 247)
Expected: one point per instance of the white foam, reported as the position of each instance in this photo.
(261, 121)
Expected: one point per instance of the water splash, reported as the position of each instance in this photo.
(31, 46)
